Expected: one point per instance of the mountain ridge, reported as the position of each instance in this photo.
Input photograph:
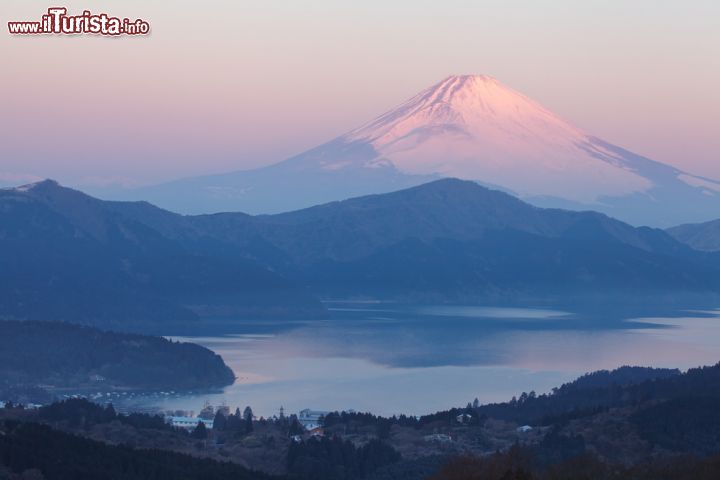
(448, 240)
(700, 236)
(466, 126)
(70, 257)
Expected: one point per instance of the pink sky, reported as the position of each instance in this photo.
(226, 85)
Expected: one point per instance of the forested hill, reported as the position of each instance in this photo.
(65, 355)
(41, 452)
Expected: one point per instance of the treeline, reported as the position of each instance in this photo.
(81, 413)
(62, 354)
(336, 459)
(622, 376)
(45, 453)
(353, 421)
(236, 424)
(588, 395)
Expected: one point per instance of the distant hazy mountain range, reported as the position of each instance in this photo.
(65, 255)
(470, 127)
(700, 236)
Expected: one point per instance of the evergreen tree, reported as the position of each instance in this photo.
(235, 423)
(200, 432)
(248, 417)
(220, 422)
(295, 428)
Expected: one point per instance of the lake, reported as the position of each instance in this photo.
(390, 358)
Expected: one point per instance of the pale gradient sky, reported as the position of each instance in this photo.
(226, 85)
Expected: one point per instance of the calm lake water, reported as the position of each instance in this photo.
(391, 359)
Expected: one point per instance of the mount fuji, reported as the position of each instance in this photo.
(471, 127)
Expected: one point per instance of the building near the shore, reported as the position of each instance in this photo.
(311, 418)
(188, 423)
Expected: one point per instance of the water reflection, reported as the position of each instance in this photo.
(408, 359)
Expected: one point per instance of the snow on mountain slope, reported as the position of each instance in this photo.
(474, 127)
(470, 127)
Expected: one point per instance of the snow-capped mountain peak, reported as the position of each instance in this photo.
(471, 127)
(474, 127)
(466, 101)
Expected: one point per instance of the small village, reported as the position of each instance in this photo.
(218, 425)
(414, 437)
